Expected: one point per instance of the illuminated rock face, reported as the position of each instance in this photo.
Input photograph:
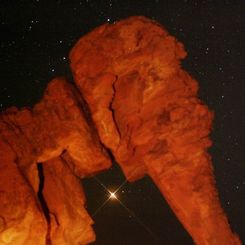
(142, 106)
(69, 223)
(147, 113)
(57, 126)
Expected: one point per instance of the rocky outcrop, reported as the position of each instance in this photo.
(132, 97)
(69, 221)
(57, 126)
(147, 113)
(21, 217)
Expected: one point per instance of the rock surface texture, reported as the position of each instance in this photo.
(147, 113)
(131, 96)
(40, 204)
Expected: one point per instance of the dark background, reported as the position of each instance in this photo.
(35, 38)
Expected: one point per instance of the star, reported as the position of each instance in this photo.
(113, 195)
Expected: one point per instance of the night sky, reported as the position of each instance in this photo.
(35, 39)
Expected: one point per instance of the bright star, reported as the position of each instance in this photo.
(112, 195)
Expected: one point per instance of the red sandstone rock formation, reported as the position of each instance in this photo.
(69, 221)
(147, 113)
(58, 125)
(144, 108)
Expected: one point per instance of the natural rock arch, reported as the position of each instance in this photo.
(130, 97)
